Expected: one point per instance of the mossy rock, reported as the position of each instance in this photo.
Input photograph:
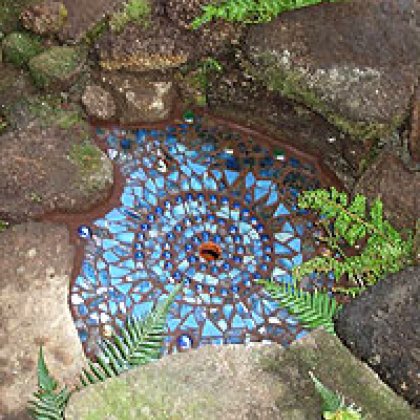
(10, 12)
(57, 68)
(44, 111)
(20, 47)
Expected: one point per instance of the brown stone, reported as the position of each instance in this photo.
(83, 16)
(397, 187)
(238, 382)
(38, 175)
(98, 102)
(140, 98)
(160, 46)
(382, 326)
(33, 304)
(45, 18)
(414, 136)
(333, 58)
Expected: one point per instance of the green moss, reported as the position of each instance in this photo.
(333, 364)
(137, 11)
(86, 156)
(96, 31)
(3, 225)
(55, 64)
(51, 111)
(20, 47)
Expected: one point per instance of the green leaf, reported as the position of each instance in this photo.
(330, 400)
(140, 342)
(45, 381)
(312, 309)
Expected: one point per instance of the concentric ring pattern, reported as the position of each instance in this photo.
(187, 187)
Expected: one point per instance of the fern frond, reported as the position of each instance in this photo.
(48, 405)
(330, 400)
(312, 309)
(139, 342)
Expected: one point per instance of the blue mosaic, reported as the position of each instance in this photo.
(188, 187)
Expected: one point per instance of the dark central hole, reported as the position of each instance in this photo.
(210, 251)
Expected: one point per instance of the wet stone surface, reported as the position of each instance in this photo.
(189, 186)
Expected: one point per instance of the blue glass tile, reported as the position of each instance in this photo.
(288, 228)
(209, 329)
(89, 271)
(272, 199)
(231, 176)
(196, 184)
(117, 271)
(295, 244)
(115, 215)
(104, 278)
(281, 211)
(140, 310)
(281, 249)
(126, 237)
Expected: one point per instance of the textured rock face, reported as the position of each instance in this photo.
(38, 175)
(241, 382)
(382, 327)
(45, 18)
(14, 84)
(213, 37)
(80, 18)
(98, 102)
(140, 98)
(333, 58)
(161, 46)
(36, 263)
(397, 187)
(414, 141)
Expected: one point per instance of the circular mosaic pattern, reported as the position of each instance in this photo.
(205, 207)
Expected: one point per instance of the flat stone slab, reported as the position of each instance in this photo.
(356, 63)
(48, 169)
(241, 382)
(36, 261)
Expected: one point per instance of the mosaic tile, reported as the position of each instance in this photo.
(189, 189)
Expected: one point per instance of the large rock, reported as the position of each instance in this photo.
(140, 98)
(161, 46)
(333, 58)
(58, 67)
(397, 187)
(241, 382)
(42, 170)
(36, 263)
(45, 18)
(382, 327)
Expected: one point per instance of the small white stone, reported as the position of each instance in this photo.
(76, 299)
(331, 139)
(229, 151)
(31, 253)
